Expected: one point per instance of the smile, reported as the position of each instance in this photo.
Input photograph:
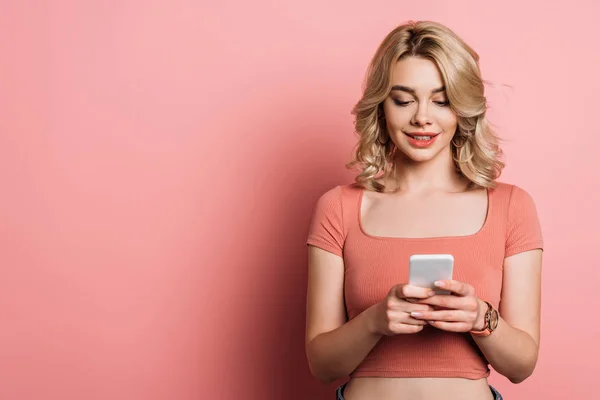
(421, 139)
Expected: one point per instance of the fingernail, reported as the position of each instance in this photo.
(431, 293)
(430, 322)
(439, 283)
(416, 314)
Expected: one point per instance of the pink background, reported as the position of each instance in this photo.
(160, 161)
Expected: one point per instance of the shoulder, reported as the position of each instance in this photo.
(327, 229)
(513, 194)
(330, 198)
(519, 206)
(337, 194)
(523, 228)
(337, 203)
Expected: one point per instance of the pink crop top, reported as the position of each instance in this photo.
(374, 264)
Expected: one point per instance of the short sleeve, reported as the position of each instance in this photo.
(523, 230)
(326, 228)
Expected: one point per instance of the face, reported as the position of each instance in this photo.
(418, 118)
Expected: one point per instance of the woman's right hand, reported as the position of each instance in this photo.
(392, 316)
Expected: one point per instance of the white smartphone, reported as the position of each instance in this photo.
(425, 269)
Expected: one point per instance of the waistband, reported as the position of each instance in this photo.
(340, 392)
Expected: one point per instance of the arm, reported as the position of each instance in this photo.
(334, 347)
(512, 349)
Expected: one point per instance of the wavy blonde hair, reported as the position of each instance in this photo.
(475, 147)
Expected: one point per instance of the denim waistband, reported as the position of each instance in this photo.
(340, 392)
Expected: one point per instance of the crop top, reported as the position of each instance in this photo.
(374, 264)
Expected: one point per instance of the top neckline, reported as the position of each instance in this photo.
(425, 239)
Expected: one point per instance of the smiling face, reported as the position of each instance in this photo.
(417, 115)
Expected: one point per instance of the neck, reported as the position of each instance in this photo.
(438, 173)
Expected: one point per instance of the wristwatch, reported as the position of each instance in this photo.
(490, 322)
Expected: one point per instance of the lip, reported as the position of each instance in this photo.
(421, 143)
(421, 134)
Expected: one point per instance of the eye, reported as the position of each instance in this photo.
(401, 103)
(442, 103)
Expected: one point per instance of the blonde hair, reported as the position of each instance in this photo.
(475, 147)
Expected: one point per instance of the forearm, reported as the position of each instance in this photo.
(335, 354)
(511, 351)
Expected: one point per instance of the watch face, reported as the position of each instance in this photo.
(493, 320)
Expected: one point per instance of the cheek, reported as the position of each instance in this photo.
(396, 117)
(447, 120)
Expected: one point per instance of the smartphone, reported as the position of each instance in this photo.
(425, 269)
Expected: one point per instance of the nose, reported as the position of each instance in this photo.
(422, 117)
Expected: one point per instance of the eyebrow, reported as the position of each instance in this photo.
(412, 91)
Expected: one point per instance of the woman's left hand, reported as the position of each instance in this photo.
(460, 311)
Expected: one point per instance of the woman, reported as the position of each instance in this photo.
(427, 184)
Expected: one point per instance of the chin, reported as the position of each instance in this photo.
(420, 155)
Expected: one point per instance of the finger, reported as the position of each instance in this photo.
(413, 321)
(405, 318)
(407, 329)
(446, 315)
(410, 291)
(417, 301)
(450, 326)
(409, 320)
(444, 300)
(451, 302)
(460, 288)
(409, 307)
